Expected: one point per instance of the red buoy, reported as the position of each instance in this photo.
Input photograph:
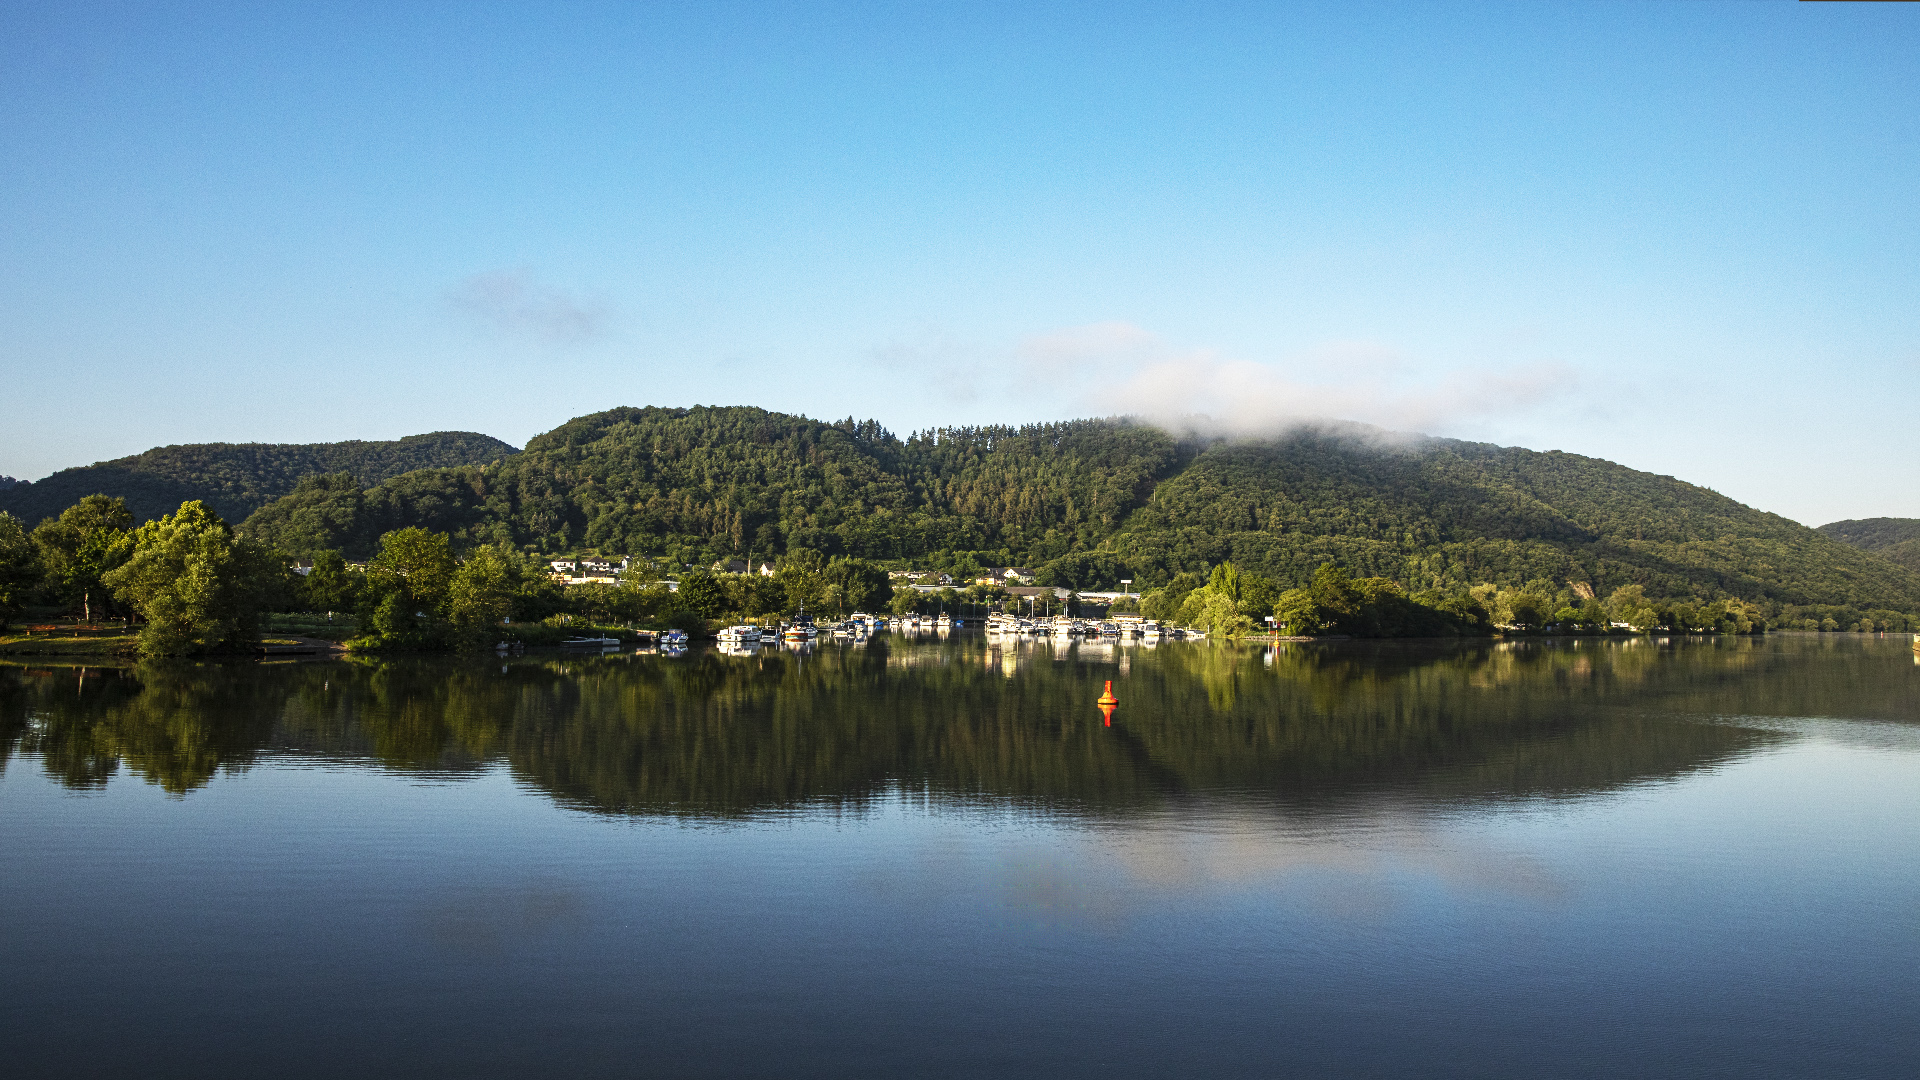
(1107, 701)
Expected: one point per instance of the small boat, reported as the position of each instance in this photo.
(674, 639)
(740, 635)
(589, 642)
(800, 629)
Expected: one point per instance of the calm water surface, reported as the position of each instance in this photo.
(932, 858)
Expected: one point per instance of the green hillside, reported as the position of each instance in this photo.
(1438, 510)
(1894, 539)
(704, 482)
(696, 484)
(238, 478)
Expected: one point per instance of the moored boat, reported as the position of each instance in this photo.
(800, 629)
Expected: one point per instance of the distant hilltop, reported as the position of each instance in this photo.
(238, 478)
(1896, 539)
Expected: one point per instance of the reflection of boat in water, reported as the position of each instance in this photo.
(1094, 648)
(734, 648)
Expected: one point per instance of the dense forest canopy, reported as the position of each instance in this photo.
(1089, 502)
(1894, 539)
(235, 479)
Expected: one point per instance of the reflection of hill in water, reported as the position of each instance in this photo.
(714, 735)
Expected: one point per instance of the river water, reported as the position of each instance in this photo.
(1685, 857)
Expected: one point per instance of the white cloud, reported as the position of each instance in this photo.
(1119, 368)
(514, 303)
(935, 358)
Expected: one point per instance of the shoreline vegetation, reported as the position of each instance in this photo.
(187, 584)
(695, 518)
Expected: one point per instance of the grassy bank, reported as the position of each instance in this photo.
(342, 626)
(64, 642)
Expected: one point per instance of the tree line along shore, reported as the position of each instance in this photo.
(194, 586)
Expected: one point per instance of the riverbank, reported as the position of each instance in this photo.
(70, 642)
(125, 643)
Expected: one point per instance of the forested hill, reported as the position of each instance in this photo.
(1897, 539)
(1094, 500)
(703, 482)
(1442, 510)
(238, 478)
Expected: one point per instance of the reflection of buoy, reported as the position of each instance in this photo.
(1107, 701)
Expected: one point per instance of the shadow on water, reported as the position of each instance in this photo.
(1293, 726)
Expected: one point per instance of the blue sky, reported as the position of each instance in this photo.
(1683, 237)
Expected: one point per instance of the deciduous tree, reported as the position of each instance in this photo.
(199, 588)
(19, 566)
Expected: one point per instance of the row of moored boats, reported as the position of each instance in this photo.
(858, 626)
(802, 628)
(1067, 626)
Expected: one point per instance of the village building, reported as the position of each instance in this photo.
(741, 566)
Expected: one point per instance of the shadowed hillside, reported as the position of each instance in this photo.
(1440, 510)
(238, 478)
(1895, 539)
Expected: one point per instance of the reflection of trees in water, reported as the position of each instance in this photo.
(707, 734)
(173, 725)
